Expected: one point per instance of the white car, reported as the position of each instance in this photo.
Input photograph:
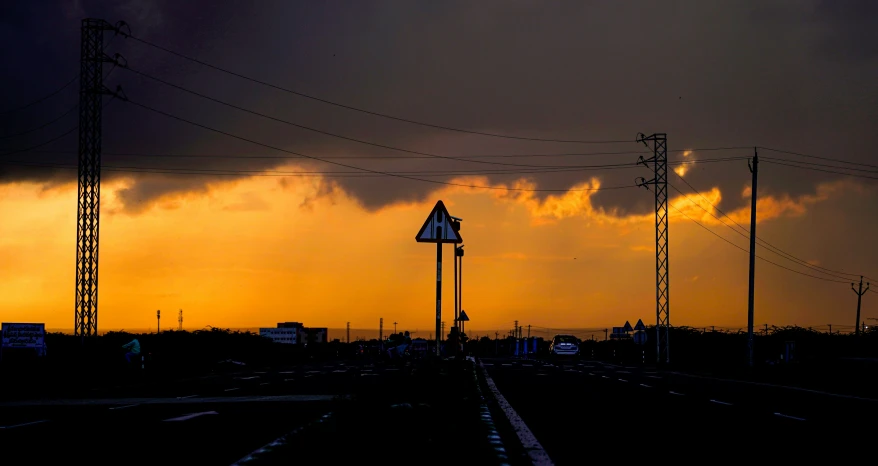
(564, 345)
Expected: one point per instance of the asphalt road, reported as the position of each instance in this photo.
(210, 420)
(581, 411)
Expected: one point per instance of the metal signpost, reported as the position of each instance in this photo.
(439, 228)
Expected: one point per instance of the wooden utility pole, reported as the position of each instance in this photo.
(754, 169)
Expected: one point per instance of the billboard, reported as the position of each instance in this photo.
(21, 335)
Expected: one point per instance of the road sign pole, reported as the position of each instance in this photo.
(438, 295)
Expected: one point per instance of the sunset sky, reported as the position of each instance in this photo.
(271, 237)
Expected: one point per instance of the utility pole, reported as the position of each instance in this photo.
(158, 321)
(859, 293)
(754, 170)
(381, 329)
(515, 330)
(605, 334)
(349, 332)
(528, 331)
(830, 329)
(458, 253)
(662, 293)
(91, 92)
(443, 331)
(180, 321)
(766, 329)
(394, 328)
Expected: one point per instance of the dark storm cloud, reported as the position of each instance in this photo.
(789, 74)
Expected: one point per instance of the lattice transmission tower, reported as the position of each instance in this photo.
(91, 92)
(659, 162)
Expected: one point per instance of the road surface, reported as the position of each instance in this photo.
(208, 420)
(580, 411)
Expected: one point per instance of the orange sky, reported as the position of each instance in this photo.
(254, 252)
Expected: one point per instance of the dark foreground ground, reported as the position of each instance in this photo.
(591, 411)
(329, 413)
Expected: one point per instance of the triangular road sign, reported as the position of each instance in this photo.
(463, 317)
(438, 227)
(640, 325)
(627, 326)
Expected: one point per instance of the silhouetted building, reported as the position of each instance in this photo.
(295, 333)
(288, 336)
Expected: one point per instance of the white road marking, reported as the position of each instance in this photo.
(190, 416)
(721, 402)
(24, 424)
(126, 406)
(231, 389)
(339, 371)
(623, 372)
(187, 396)
(675, 393)
(248, 378)
(289, 380)
(535, 451)
(604, 376)
(264, 383)
(818, 392)
(315, 372)
(168, 401)
(653, 377)
(288, 372)
(622, 380)
(645, 385)
(789, 417)
(591, 373)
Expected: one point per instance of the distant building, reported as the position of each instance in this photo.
(288, 336)
(295, 333)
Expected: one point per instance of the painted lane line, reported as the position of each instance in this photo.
(785, 387)
(645, 385)
(187, 396)
(622, 380)
(24, 424)
(264, 383)
(653, 377)
(675, 393)
(721, 402)
(126, 406)
(279, 442)
(231, 389)
(190, 416)
(789, 417)
(604, 376)
(535, 451)
(248, 378)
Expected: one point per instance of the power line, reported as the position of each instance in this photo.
(746, 251)
(820, 170)
(369, 112)
(762, 242)
(22, 133)
(308, 128)
(817, 157)
(268, 146)
(42, 99)
(864, 170)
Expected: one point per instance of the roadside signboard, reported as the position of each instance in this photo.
(20, 335)
(23, 336)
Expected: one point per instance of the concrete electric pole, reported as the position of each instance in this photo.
(754, 169)
(859, 293)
